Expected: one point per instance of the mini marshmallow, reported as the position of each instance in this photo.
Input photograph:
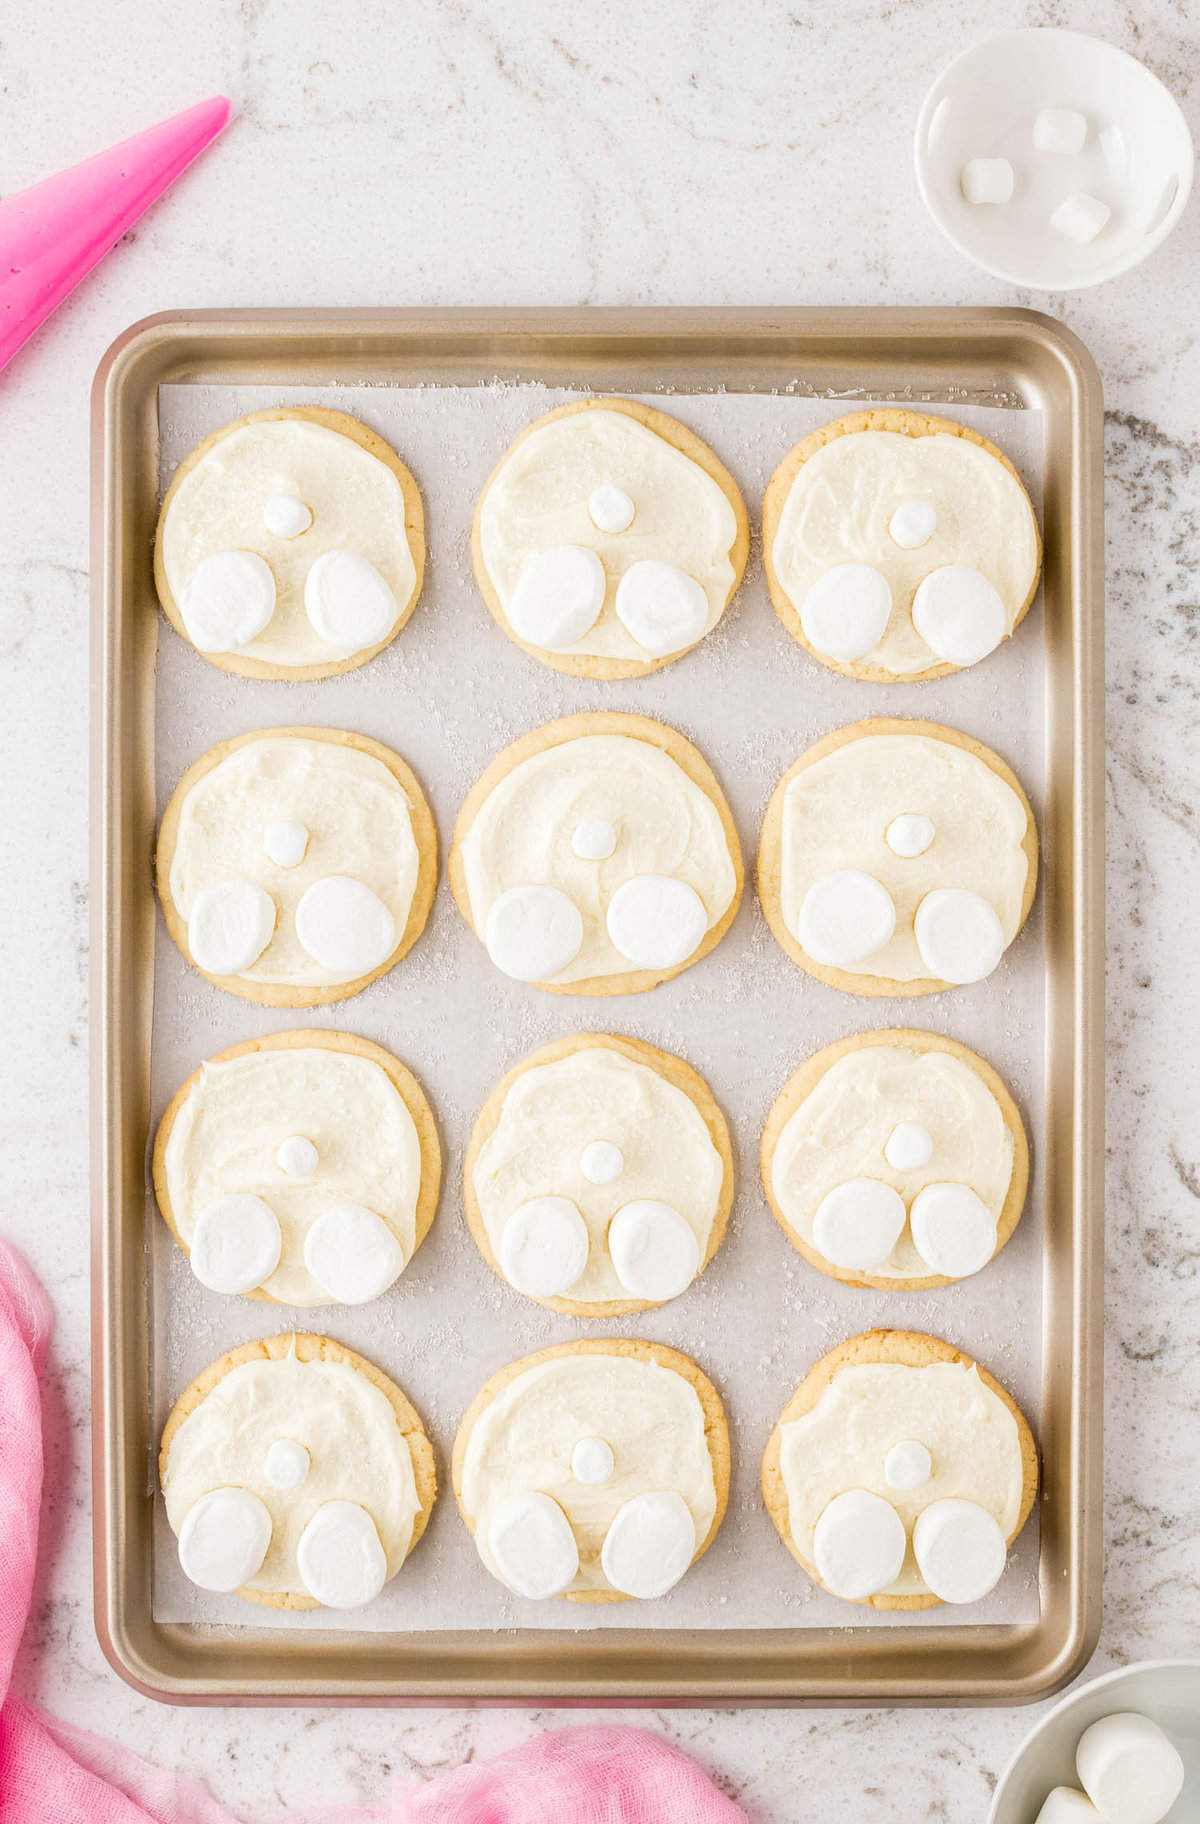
(532, 933)
(907, 1465)
(909, 836)
(610, 509)
(287, 1464)
(534, 1549)
(594, 839)
(654, 1250)
(285, 842)
(340, 1556)
(846, 611)
(601, 1162)
(987, 180)
(236, 1244)
(286, 517)
(544, 1247)
(229, 926)
(1130, 1769)
(858, 1223)
(297, 1156)
(1066, 1806)
(593, 1461)
(650, 1544)
(228, 599)
(913, 524)
(661, 607)
(352, 1254)
(558, 597)
(908, 1147)
(348, 602)
(345, 926)
(224, 1538)
(859, 1544)
(953, 1230)
(959, 614)
(1060, 130)
(655, 921)
(958, 934)
(845, 917)
(1080, 217)
(960, 1550)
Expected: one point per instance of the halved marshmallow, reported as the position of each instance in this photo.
(960, 1549)
(594, 839)
(297, 1156)
(345, 926)
(656, 921)
(227, 601)
(1130, 1768)
(352, 1254)
(1059, 130)
(533, 1547)
(907, 1465)
(909, 835)
(286, 517)
(532, 933)
(287, 1464)
(859, 1545)
(845, 917)
(846, 611)
(1066, 1806)
(610, 509)
(224, 1538)
(953, 1230)
(348, 602)
(958, 934)
(654, 1250)
(987, 180)
(544, 1247)
(908, 1147)
(661, 606)
(229, 926)
(558, 597)
(593, 1461)
(913, 524)
(236, 1244)
(601, 1162)
(858, 1223)
(340, 1556)
(1080, 217)
(959, 614)
(285, 842)
(649, 1545)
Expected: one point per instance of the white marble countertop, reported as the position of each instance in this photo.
(527, 152)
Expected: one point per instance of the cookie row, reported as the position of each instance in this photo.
(608, 541)
(299, 1475)
(596, 855)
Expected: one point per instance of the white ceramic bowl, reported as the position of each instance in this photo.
(983, 105)
(1166, 1690)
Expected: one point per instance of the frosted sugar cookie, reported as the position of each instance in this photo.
(296, 1474)
(897, 857)
(599, 1177)
(900, 1473)
(597, 855)
(594, 1470)
(296, 864)
(896, 1159)
(302, 1169)
(291, 544)
(899, 546)
(609, 539)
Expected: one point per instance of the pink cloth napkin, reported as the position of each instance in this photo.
(53, 1774)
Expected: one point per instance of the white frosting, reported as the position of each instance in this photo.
(344, 926)
(907, 1465)
(357, 505)
(835, 816)
(229, 599)
(1059, 130)
(227, 1136)
(656, 922)
(913, 524)
(524, 1442)
(297, 1156)
(543, 1247)
(593, 1461)
(236, 1244)
(223, 1538)
(356, 1449)
(553, 1116)
(594, 839)
(1130, 1768)
(352, 1254)
(959, 934)
(960, 1549)
(286, 517)
(229, 926)
(953, 1229)
(533, 932)
(558, 597)
(842, 1443)
(840, 507)
(611, 509)
(531, 1545)
(601, 1162)
(845, 917)
(654, 1249)
(987, 180)
(661, 607)
(521, 837)
(360, 828)
(1066, 1806)
(909, 1146)
(340, 1556)
(859, 1545)
(846, 610)
(542, 496)
(649, 1545)
(285, 841)
(959, 615)
(287, 1463)
(842, 1128)
(909, 836)
(857, 1224)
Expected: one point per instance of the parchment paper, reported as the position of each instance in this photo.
(447, 695)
